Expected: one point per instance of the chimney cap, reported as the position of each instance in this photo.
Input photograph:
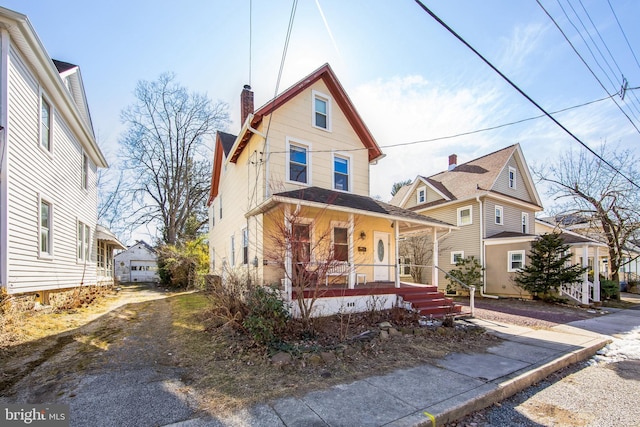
(247, 87)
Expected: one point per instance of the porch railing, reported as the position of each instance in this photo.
(574, 291)
(472, 289)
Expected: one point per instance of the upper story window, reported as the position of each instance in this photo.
(525, 222)
(512, 177)
(45, 124)
(220, 205)
(85, 171)
(298, 164)
(84, 241)
(245, 246)
(321, 111)
(46, 228)
(465, 216)
(499, 215)
(421, 195)
(341, 173)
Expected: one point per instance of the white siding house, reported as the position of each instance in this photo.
(48, 169)
(139, 263)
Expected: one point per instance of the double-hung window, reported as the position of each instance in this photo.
(298, 168)
(340, 244)
(46, 228)
(341, 173)
(45, 124)
(465, 216)
(83, 240)
(515, 261)
(85, 171)
(321, 111)
(301, 244)
(525, 222)
(512, 177)
(499, 219)
(421, 195)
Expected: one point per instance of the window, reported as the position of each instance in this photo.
(46, 223)
(525, 222)
(45, 124)
(298, 168)
(301, 244)
(340, 173)
(421, 195)
(465, 216)
(340, 244)
(220, 198)
(85, 171)
(499, 215)
(515, 261)
(321, 111)
(405, 266)
(456, 256)
(245, 246)
(83, 241)
(512, 177)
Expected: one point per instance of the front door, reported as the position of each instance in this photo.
(381, 249)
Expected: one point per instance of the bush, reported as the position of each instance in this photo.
(229, 301)
(184, 265)
(469, 271)
(268, 316)
(609, 289)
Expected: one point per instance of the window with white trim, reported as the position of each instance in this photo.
(421, 195)
(341, 173)
(233, 251)
(298, 163)
(515, 261)
(321, 111)
(340, 239)
(512, 177)
(456, 256)
(525, 222)
(45, 124)
(83, 237)
(465, 216)
(245, 246)
(499, 216)
(46, 228)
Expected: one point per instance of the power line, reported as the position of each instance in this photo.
(624, 34)
(586, 65)
(456, 35)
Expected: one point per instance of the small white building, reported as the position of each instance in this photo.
(139, 263)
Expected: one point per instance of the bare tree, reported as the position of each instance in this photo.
(111, 200)
(418, 249)
(595, 192)
(165, 151)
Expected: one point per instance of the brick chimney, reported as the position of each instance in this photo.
(246, 103)
(453, 161)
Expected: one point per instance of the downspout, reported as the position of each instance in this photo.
(482, 254)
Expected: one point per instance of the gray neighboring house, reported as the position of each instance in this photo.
(139, 263)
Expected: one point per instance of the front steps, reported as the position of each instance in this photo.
(428, 301)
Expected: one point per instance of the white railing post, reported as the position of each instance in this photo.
(472, 294)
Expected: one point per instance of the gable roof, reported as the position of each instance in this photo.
(25, 38)
(474, 178)
(224, 143)
(339, 95)
(351, 203)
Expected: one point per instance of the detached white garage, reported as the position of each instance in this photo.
(137, 264)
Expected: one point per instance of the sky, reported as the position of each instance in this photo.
(408, 77)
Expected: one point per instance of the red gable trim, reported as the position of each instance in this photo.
(339, 94)
(215, 173)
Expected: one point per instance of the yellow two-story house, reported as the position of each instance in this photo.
(290, 199)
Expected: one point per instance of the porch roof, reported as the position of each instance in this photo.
(351, 203)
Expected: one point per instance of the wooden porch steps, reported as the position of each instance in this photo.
(428, 301)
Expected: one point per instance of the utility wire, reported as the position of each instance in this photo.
(587, 65)
(624, 34)
(456, 35)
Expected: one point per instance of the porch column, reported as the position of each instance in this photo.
(585, 279)
(434, 270)
(596, 275)
(288, 257)
(352, 270)
(396, 252)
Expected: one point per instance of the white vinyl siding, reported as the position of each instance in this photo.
(33, 171)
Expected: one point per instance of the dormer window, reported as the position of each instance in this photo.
(321, 106)
(421, 195)
(512, 177)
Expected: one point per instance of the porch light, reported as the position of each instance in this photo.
(363, 235)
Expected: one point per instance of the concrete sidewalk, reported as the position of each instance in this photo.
(453, 387)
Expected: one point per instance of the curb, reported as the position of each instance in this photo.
(509, 387)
